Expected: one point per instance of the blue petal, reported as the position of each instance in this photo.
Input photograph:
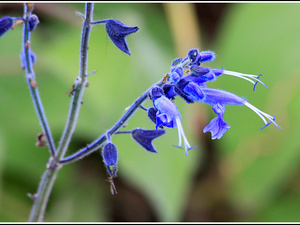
(117, 32)
(162, 119)
(199, 70)
(194, 91)
(145, 137)
(200, 80)
(6, 23)
(217, 126)
(215, 96)
(165, 105)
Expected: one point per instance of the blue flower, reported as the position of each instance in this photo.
(117, 32)
(6, 23)
(168, 115)
(145, 137)
(217, 125)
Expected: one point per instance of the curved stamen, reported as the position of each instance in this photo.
(187, 145)
(262, 115)
(247, 77)
(256, 81)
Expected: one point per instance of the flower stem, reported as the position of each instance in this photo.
(26, 59)
(79, 87)
(49, 177)
(98, 143)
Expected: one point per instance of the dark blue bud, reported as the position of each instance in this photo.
(193, 55)
(176, 62)
(145, 137)
(156, 92)
(206, 56)
(6, 23)
(198, 70)
(110, 158)
(117, 32)
(110, 154)
(33, 22)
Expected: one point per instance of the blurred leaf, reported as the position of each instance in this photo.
(261, 38)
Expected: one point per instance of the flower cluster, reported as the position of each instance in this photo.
(188, 80)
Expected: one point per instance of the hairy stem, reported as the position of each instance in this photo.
(79, 86)
(49, 177)
(26, 59)
(98, 143)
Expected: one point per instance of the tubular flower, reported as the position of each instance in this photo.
(168, 115)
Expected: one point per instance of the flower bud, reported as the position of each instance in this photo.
(110, 158)
(33, 22)
(207, 56)
(193, 55)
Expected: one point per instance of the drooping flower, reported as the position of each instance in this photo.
(117, 32)
(217, 125)
(145, 137)
(168, 115)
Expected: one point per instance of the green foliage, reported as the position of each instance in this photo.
(257, 165)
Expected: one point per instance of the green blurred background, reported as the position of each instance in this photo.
(249, 175)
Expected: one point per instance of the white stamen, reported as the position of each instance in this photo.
(262, 114)
(247, 77)
(181, 134)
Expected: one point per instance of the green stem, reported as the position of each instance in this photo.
(49, 177)
(26, 59)
(79, 86)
